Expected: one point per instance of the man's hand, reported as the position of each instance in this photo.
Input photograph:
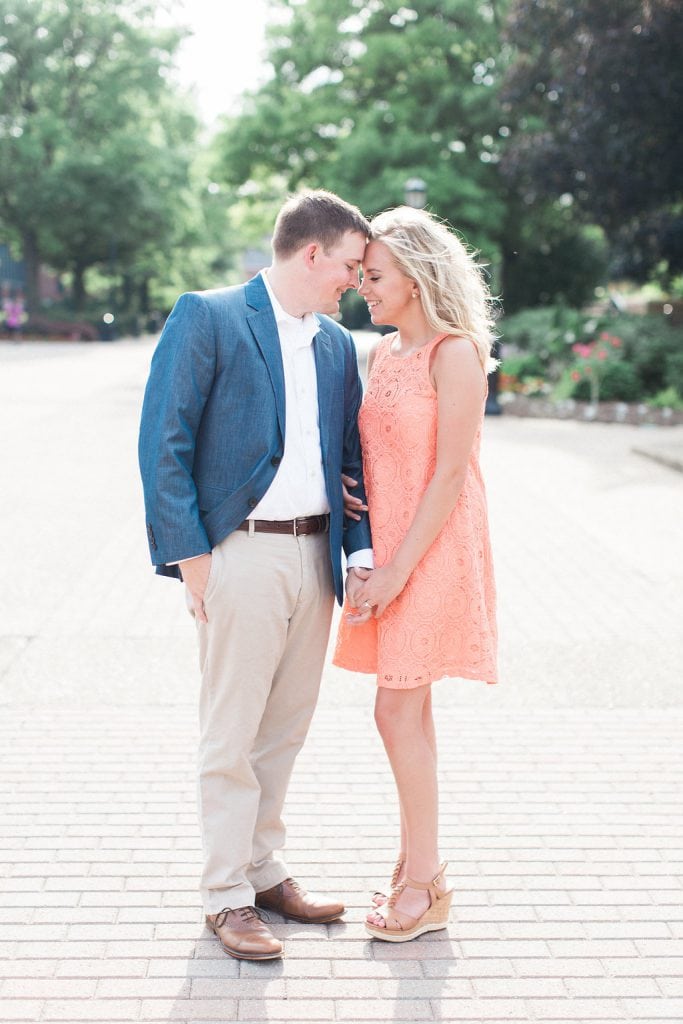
(195, 573)
(352, 505)
(355, 579)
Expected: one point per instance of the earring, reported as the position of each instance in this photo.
(415, 294)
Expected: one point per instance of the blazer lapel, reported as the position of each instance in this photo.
(324, 368)
(264, 328)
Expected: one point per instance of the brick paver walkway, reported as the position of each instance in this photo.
(561, 788)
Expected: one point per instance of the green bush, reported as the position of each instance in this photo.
(669, 398)
(647, 343)
(547, 332)
(673, 371)
(522, 366)
(651, 348)
(554, 261)
(618, 383)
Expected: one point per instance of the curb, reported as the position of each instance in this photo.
(673, 460)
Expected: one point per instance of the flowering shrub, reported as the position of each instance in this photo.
(607, 356)
(593, 360)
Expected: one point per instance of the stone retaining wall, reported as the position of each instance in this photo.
(601, 412)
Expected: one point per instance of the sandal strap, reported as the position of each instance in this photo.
(426, 886)
(397, 869)
(398, 920)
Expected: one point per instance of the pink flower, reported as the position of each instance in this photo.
(582, 350)
(615, 342)
(602, 354)
(576, 375)
(604, 336)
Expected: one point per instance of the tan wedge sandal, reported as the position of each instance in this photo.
(402, 927)
(380, 898)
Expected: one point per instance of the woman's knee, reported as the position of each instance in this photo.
(397, 717)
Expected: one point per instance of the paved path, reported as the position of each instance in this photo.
(562, 816)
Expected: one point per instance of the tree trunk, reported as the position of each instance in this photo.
(144, 296)
(78, 287)
(128, 287)
(29, 245)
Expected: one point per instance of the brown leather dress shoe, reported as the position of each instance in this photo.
(290, 900)
(243, 934)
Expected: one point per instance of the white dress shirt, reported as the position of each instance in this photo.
(299, 485)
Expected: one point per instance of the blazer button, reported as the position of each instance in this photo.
(252, 503)
(276, 460)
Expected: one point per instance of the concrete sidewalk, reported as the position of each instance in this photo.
(560, 788)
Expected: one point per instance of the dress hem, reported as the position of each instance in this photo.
(436, 678)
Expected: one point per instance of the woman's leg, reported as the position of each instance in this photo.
(406, 726)
(428, 730)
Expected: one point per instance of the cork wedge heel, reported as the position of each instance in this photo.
(402, 927)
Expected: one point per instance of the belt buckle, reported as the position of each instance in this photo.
(294, 522)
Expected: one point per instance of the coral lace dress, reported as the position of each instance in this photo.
(444, 621)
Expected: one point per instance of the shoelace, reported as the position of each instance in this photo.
(247, 914)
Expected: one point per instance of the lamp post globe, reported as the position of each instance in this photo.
(415, 192)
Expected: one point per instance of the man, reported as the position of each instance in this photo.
(248, 423)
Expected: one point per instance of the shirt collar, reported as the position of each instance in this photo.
(308, 325)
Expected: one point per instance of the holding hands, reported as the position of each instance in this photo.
(371, 592)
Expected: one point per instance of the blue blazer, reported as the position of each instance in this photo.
(213, 424)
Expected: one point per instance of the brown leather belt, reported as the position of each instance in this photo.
(296, 527)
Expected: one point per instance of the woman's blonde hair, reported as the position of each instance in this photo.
(453, 289)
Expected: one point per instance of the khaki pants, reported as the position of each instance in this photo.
(269, 604)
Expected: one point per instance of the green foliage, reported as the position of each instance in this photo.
(668, 398)
(94, 150)
(354, 311)
(365, 96)
(546, 332)
(619, 382)
(642, 355)
(594, 94)
(673, 369)
(522, 366)
(556, 261)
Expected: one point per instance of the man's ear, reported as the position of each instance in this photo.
(311, 254)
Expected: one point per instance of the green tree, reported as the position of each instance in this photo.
(597, 90)
(94, 148)
(366, 95)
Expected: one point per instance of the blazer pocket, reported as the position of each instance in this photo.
(210, 497)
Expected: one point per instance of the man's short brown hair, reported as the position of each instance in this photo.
(315, 216)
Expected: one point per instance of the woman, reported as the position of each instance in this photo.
(428, 609)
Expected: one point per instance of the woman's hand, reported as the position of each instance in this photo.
(352, 505)
(360, 612)
(381, 588)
